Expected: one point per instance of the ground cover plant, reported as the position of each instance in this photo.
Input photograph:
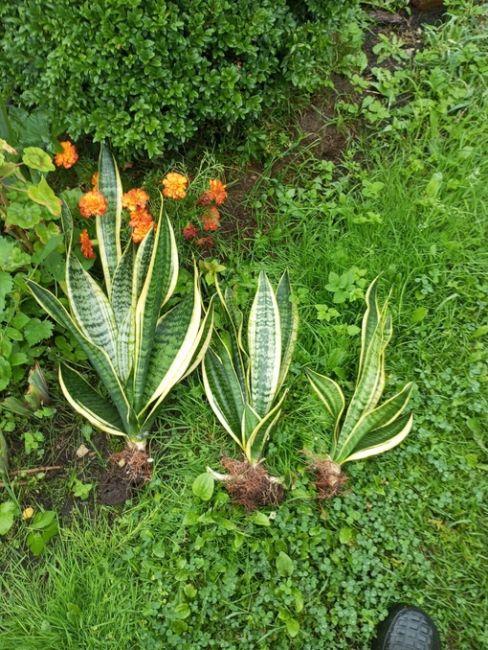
(174, 567)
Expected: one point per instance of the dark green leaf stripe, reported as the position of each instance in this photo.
(168, 339)
(87, 400)
(203, 339)
(223, 390)
(91, 307)
(98, 357)
(379, 417)
(235, 318)
(67, 222)
(121, 297)
(331, 397)
(108, 225)
(367, 383)
(125, 346)
(382, 436)
(288, 322)
(158, 285)
(141, 265)
(264, 346)
(260, 435)
(370, 321)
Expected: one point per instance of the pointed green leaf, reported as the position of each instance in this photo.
(331, 396)
(223, 390)
(288, 322)
(379, 417)
(264, 341)
(380, 440)
(90, 307)
(88, 402)
(98, 357)
(202, 340)
(158, 286)
(259, 437)
(121, 296)
(108, 225)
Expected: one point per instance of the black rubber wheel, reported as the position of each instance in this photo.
(407, 628)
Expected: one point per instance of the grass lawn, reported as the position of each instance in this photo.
(408, 199)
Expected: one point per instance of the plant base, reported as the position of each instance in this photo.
(250, 485)
(134, 463)
(329, 478)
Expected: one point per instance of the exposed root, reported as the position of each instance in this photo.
(329, 478)
(250, 485)
(135, 465)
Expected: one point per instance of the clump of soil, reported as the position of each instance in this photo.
(135, 465)
(129, 469)
(250, 485)
(329, 478)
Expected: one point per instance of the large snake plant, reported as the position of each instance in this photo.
(244, 383)
(364, 429)
(138, 344)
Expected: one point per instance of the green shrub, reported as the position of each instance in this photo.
(149, 74)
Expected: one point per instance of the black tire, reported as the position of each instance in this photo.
(407, 628)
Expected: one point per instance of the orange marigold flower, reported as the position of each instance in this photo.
(92, 204)
(141, 223)
(206, 242)
(211, 219)
(94, 180)
(217, 189)
(86, 245)
(206, 198)
(135, 198)
(174, 185)
(68, 156)
(190, 231)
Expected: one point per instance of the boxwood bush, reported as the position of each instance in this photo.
(150, 74)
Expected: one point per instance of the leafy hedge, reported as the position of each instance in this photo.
(149, 74)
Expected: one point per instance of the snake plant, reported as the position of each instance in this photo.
(244, 384)
(365, 429)
(139, 345)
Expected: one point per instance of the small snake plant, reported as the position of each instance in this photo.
(364, 429)
(243, 383)
(138, 344)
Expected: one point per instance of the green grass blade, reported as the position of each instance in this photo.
(108, 225)
(264, 340)
(88, 402)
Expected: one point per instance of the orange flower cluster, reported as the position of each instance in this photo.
(135, 198)
(215, 194)
(141, 220)
(86, 245)
(68, 156)
(211, 219)
(92, 204)
(175, 186)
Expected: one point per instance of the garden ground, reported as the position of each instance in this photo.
(391, 179)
